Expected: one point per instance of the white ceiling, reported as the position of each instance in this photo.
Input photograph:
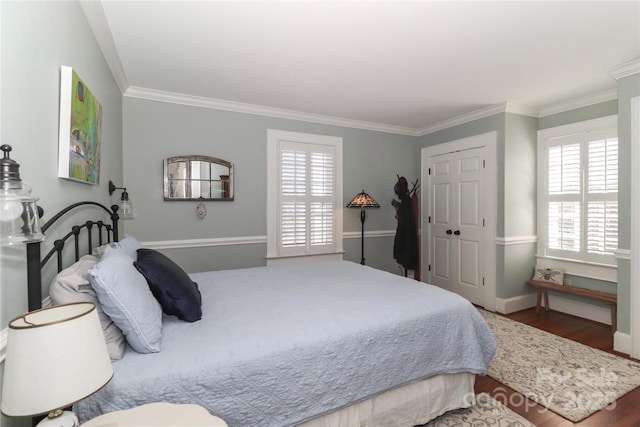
(406, 64)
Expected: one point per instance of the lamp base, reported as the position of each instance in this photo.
(60, 418)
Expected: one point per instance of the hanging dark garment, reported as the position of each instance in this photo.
(405, 246)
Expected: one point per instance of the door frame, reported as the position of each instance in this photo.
(489, 141)
(634, 308)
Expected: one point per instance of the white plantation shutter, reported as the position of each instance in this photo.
(307, 198)
(579, 198)
(292, 187)
(602, 196)
(564, 226)
(564, 196)
(322, 204)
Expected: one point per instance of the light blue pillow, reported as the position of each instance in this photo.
(126, 298)
(129, 245)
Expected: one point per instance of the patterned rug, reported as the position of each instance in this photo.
(569, 378)
(486, 412)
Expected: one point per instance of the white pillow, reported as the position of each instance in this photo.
(126, 298)
(72, 285)
(129, 245)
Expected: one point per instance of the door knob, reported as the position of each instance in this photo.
(449, 231)
(457, 232)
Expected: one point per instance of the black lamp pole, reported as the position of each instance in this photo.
(363, 215)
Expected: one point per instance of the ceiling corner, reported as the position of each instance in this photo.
(97, 20)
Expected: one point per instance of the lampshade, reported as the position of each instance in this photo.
(55, 357)
(363, 200)
(19, 219)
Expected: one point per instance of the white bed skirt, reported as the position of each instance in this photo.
(411, 405)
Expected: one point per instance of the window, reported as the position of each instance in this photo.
(578, 191)
(304, 194)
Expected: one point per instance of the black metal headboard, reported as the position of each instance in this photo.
(106, 233)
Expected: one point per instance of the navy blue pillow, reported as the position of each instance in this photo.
(173, 288)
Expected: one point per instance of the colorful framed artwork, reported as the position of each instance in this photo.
(80, 130)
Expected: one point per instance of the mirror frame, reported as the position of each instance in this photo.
(199, 158)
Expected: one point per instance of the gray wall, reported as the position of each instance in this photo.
(155, 130)
(37, 38)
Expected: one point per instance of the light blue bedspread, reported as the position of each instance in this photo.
(277, 346)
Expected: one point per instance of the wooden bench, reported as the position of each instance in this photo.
(543, 288)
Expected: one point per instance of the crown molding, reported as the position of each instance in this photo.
(522, 110)
(462, 119)
(584, 101)
(238, 107)
(492, 110)
(625, 70)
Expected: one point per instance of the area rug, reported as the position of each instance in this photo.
(569, 378)
(486, 412)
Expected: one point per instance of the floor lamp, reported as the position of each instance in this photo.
(363, 200)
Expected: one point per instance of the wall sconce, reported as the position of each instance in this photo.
(362, 200)
(126, 205)
(19, 214)
(55, 357)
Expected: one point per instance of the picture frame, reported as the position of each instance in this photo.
(80, 132)
(549, 274)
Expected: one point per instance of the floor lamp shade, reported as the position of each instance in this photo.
(55, 357)
(363, 200)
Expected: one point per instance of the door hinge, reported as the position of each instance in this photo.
(429, 219)
(429, 171)
(484, 164)
(429, 267)
(483, 222)
(483, 281)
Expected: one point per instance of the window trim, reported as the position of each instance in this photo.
(577, 267)
(274, 136)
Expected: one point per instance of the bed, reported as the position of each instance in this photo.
(313, 344)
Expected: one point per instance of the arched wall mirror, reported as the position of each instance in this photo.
(197, 178)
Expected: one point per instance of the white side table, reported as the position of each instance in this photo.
(156, 414)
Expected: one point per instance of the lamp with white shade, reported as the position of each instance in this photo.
(55, 357)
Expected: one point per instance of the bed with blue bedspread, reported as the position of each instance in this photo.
(294, 344)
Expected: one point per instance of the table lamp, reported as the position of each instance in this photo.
(56, 356)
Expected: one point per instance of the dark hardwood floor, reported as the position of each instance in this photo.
(627, 409)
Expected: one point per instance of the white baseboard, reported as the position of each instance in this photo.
(622, 342)
(581, 309)
(511, 305)
(558, 303)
